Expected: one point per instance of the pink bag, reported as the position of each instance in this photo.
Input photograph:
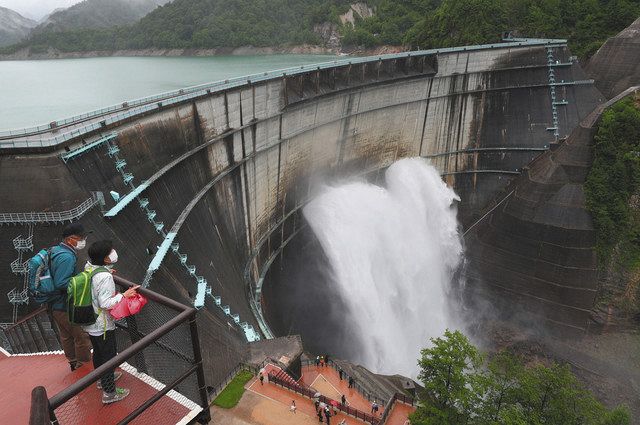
(128, 306)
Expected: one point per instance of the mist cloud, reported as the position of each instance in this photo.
(36, 9)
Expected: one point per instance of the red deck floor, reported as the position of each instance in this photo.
(283, 396)
(20, 374)
(399, 414)
(354, 398)
(311, 375)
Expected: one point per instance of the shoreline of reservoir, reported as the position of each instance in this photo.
(304, 49)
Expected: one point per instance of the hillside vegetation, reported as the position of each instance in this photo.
(97, 14)
(411, 23)
(423, 24)
(463, 386)
(613, 198)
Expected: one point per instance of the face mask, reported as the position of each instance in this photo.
(113, 256)
(81, 244)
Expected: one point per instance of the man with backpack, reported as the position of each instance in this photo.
(49, 274)
(102, 256)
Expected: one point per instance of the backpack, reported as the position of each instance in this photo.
(79, 298)
(40, 281)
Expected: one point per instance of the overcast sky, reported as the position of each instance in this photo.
(36, 9)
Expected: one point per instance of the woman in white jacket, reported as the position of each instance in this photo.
(102, 332)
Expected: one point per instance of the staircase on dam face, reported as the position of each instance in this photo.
(169, 243)
(20, 296)
(24, 244)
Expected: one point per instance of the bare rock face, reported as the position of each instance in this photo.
(13, 26)
(328, 31)
(357, 9)
(616, 65)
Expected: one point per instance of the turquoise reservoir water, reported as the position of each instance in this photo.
(38, 92)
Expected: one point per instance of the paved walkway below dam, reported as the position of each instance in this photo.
(269, 404)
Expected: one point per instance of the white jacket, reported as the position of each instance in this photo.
(104, 297)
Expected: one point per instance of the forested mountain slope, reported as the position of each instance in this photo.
(410, 24)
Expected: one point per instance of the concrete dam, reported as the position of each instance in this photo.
(201, 190)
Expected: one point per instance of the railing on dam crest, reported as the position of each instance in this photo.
(61, 131)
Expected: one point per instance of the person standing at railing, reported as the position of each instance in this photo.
(103, 331)
(62, 267)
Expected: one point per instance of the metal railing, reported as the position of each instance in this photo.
(363, 392)
(121, 112)
(213, 392)
(49, 217)
(159, 341)
(310, 393)
(34, 333)
(396, 397)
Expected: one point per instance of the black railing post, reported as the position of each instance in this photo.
(39, 413)
(205, 416)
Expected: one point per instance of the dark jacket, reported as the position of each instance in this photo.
(63, 268)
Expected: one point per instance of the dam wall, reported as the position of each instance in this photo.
(614, 67)
(535, 250)
(209, 185)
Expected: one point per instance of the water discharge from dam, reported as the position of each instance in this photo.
(393, 252)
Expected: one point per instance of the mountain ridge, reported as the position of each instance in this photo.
(13, 26)
(97, 14)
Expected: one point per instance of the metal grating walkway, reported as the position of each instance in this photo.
(49, 217)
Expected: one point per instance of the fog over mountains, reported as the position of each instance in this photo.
(84, 14)
(98, 14)
(36, 9)
(13, 26)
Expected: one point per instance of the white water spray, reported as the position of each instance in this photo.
(393, 252)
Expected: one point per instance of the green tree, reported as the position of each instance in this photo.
(447, 371)
(461, 388)
(614, 177)
(499, 390)
(611, 187)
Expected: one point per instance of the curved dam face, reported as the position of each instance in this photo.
(210, 185)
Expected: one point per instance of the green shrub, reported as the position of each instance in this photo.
(613, 179)
(232, 393)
